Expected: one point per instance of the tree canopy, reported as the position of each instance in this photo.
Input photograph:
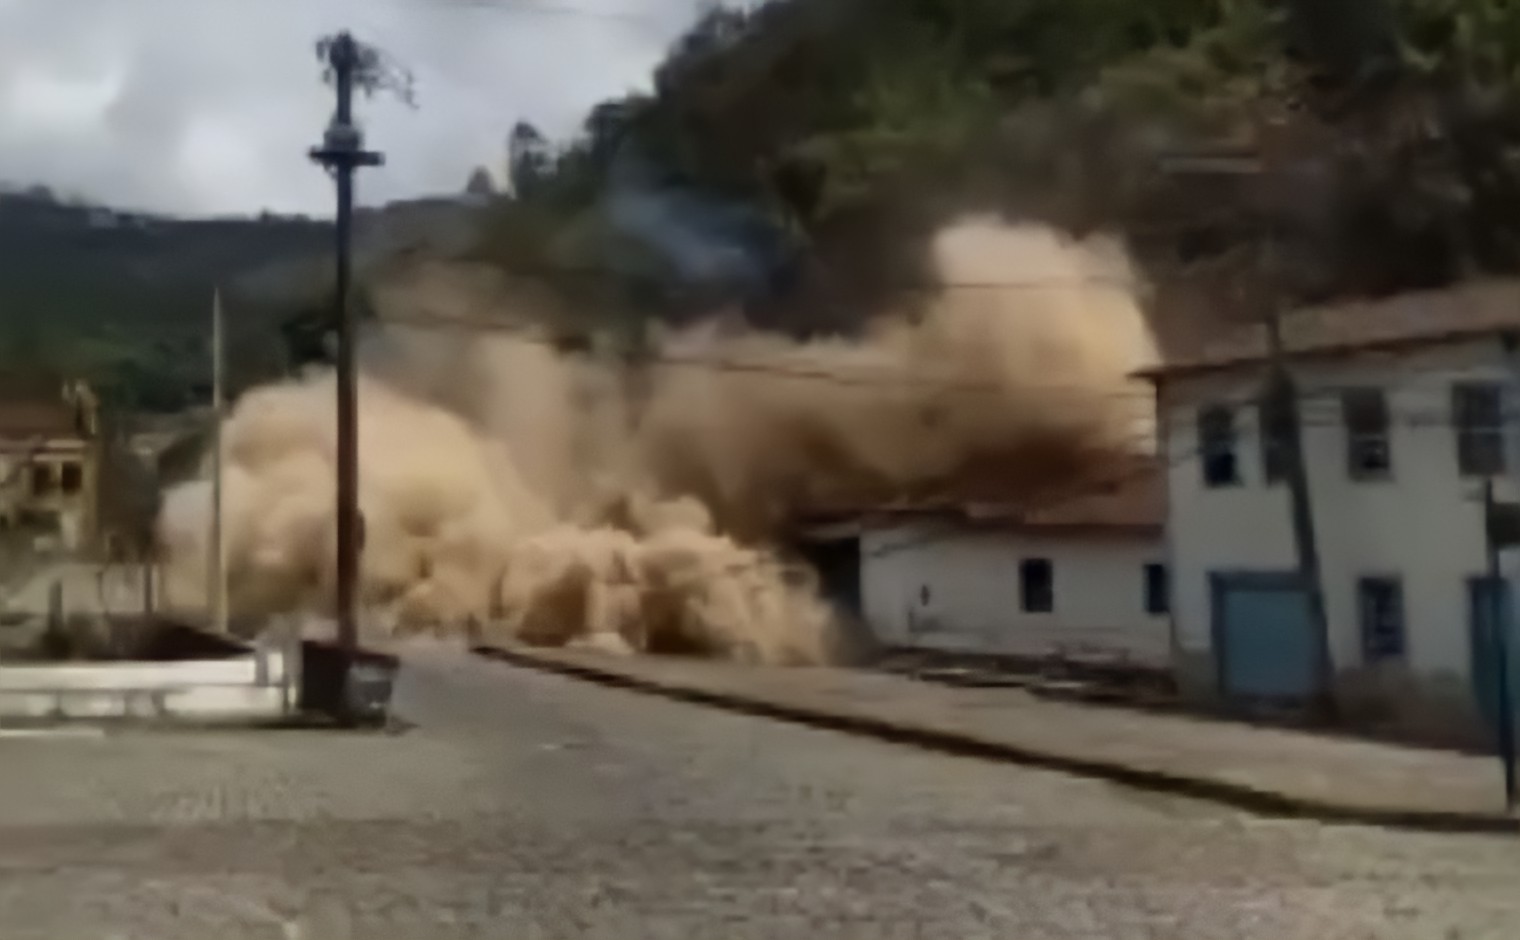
(843, 131)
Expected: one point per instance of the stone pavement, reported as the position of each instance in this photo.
(527, 805)
(1268, 770)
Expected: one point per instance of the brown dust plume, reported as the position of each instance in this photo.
(643, 503)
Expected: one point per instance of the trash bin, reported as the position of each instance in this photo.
(356, 691)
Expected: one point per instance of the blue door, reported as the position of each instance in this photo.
(1485, 645)
(1264, 636)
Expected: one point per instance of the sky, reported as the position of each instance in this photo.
(197, 107)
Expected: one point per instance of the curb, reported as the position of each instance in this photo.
(1222, 792)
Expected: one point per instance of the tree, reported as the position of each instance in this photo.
(858, 127)
(529, 160)
(480, 184)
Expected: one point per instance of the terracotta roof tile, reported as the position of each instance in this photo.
(34, 418)
(1128, 497)
(1466, 310)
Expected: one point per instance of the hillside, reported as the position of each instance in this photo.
(124, 298)
(795, 157)
(792, 160)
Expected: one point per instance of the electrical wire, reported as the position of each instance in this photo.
(1090, 488)
(1318, 395)
(532, 335)
(1319, 416)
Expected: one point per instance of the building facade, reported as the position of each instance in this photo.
(1084, 580)
(1407, 410)
(50, 462)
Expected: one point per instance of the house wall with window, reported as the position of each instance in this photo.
(1018, 591)
(1397, 445)
(49, 462)
(49, 487)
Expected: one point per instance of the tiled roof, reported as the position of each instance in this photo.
(1475, 308)
(1128, 497)
(25, 419)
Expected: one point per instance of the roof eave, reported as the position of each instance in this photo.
(1156, 374)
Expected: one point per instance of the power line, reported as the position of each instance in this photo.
(1095, 487)
(1063, 495)
(1129, 285)
(1328, 395)
(1059, 497)
(1319, 398)
(531, 335)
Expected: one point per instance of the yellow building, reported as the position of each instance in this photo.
(50, 450)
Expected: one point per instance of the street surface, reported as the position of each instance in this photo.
(523, 805)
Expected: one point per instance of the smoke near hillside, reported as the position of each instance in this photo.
(643, 502)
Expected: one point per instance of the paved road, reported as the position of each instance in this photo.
(524, 806)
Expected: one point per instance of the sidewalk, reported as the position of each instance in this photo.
(1264, 770)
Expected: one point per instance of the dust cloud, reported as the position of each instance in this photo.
(642, 502)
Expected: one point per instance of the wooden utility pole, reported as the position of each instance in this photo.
(1285, 429)
(1496, 534)
(216, 589)
(342, 152)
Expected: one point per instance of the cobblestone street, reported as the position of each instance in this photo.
(526, 805)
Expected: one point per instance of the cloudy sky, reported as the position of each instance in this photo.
(209, 106)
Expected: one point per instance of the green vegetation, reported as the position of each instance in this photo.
(125, 300)
(851, 128)
(792, 159)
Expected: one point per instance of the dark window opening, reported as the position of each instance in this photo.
(1380, 602)
(1217, 442)
(1477, 412)
(42, 479)
(1369, 450)
(1037, 585)
(71, 478)
(1157, 590)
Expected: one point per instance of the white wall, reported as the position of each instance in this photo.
(974, 601)
(1424, 524)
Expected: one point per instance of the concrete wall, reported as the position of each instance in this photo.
(1422, 525)
(951, 590)
(87, 589)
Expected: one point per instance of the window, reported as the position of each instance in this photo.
(1381, 605)
(1037, 585)
(42, 479)
(71, 478)
(1157, 590)
(1369, 454)
(1216, 438)
(1276, 425)
(1477, 413)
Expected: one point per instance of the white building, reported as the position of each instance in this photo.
(1403, 403)
(1081, 578)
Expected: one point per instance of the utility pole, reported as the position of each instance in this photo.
(1285, 427)
(1496, 532)
(341, 153)
(217, 588)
